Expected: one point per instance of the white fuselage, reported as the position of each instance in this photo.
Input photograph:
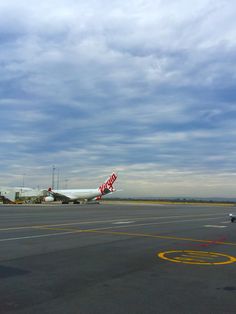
(79, 194)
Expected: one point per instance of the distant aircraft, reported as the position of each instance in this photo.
(232, 217)
(82, 195)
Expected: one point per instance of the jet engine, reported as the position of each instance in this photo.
(49, 199)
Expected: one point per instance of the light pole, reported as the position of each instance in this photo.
(58, 179)
(53, 175)
(23, 180)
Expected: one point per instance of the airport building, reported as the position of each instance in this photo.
(21, 195)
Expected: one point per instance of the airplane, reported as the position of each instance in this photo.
(82, 195)
(232, 217)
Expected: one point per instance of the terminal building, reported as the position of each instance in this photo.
(18, 195)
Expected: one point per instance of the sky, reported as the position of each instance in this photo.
(142, 88)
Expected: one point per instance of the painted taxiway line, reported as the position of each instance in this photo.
(123, 222)
(160, 237)
(215, 226)
(37, 236)
(152, 224)
(147, 235)
(104, 232)
(205, 216)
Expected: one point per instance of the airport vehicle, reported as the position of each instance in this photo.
(232, 217)
(82, 195)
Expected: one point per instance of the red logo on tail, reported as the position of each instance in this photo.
(107, 187)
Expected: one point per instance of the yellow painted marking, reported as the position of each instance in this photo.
(104, 231)
(158, 237)
(61, 229)
(195, 218)
(219, 258)
(101, 230)
(188, 259)
(192, 256)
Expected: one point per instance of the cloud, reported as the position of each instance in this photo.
(144, 87)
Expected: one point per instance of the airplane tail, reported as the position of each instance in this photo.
(107, 187)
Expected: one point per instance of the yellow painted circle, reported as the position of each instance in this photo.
(197, 257)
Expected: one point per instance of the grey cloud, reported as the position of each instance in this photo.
(146, 87)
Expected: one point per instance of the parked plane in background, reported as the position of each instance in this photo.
(82, 195)
(232, 217)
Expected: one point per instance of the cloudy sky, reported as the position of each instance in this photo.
(146, 88)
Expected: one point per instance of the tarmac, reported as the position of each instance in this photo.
(117, 258)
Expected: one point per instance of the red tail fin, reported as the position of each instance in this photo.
(107, 187)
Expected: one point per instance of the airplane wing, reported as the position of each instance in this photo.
(54, 196)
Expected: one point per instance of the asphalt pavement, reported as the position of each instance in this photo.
(117, 258)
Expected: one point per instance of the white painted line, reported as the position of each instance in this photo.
(73, 223)
(215, 226)
(123, 222)
(38, 236)
(101, 228)
(153, 224)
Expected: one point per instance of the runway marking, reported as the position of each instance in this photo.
(154, 223)
(104, 230)
(160, 237)
(57, 225)
(206, 216)
(36, 236)
(142, 235)
(213, 242)
(215, 226)
(51, 227)
(197, 257)
(75, 231)
(123, 222)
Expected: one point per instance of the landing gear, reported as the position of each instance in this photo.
(232, 219)
(65, 202)
(76, 202)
